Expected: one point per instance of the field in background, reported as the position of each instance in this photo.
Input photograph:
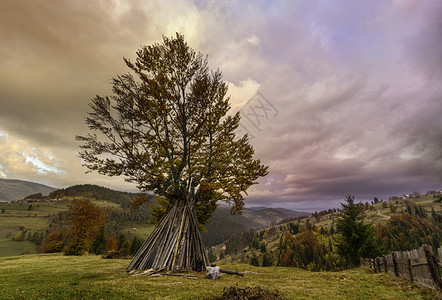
(88, 277)
(19, 215)
(378, 213)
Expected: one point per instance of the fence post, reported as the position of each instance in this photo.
(377, 264)
(409, 265)
(432, 265)
(418, 265)
(391, 265)
(396, 271)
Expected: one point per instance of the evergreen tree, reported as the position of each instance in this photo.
(254, 261)
(263, 247)
(212, 257)
(125, 247)
(136, 244)
(267, 260)
(100, 242)
(354, 239)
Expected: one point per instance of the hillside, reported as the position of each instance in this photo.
(267, 216)
(13, 189)
(223, 224)
(19, 221)
(94, 191)
(89, 277)
(399, 224)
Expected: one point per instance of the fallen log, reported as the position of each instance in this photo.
(231, 272)
(250, 272)
(181, 275)
(148, 272)
(144, 273)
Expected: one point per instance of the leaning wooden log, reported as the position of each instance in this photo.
(231, 272)
(148, 272)
(181, 275)
(145, 273)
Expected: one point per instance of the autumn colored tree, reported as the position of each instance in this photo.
(166, 128)
(85, 219)
(406, 232)
(54, 242)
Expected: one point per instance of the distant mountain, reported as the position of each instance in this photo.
(266, 216)
(223, 224)
(14, 189)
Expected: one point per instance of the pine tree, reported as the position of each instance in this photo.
(100, 242)
(355, 239)
(254, 261)
(267, 260)
(211, 256)
(135, 246)
(263, 247)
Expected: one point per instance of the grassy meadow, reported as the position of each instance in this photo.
(18, 215)
(380, 212)
(54, 276)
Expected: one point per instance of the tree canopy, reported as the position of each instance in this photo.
(85, 219)
(166, 128)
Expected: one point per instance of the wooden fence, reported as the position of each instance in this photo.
(418, 265)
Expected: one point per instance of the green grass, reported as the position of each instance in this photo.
(17, 215)
(380, 214)
(11, 248)
(141, 231)
(53, 276)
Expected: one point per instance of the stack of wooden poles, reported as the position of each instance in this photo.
(174, 244)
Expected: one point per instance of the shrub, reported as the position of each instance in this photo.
(120, 254)
(250, 293)
(54, 242)
(267, 260)
(254, 261)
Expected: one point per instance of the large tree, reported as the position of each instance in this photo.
(85, 219)
(166, 128)
(355, 239)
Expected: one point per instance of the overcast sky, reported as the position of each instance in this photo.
(352, 88)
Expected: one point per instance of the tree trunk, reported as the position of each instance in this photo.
(175, 243)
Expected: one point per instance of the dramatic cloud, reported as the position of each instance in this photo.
(352, 88)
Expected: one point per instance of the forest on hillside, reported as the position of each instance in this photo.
(301, 243)
(94, 191)
(311, 243)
